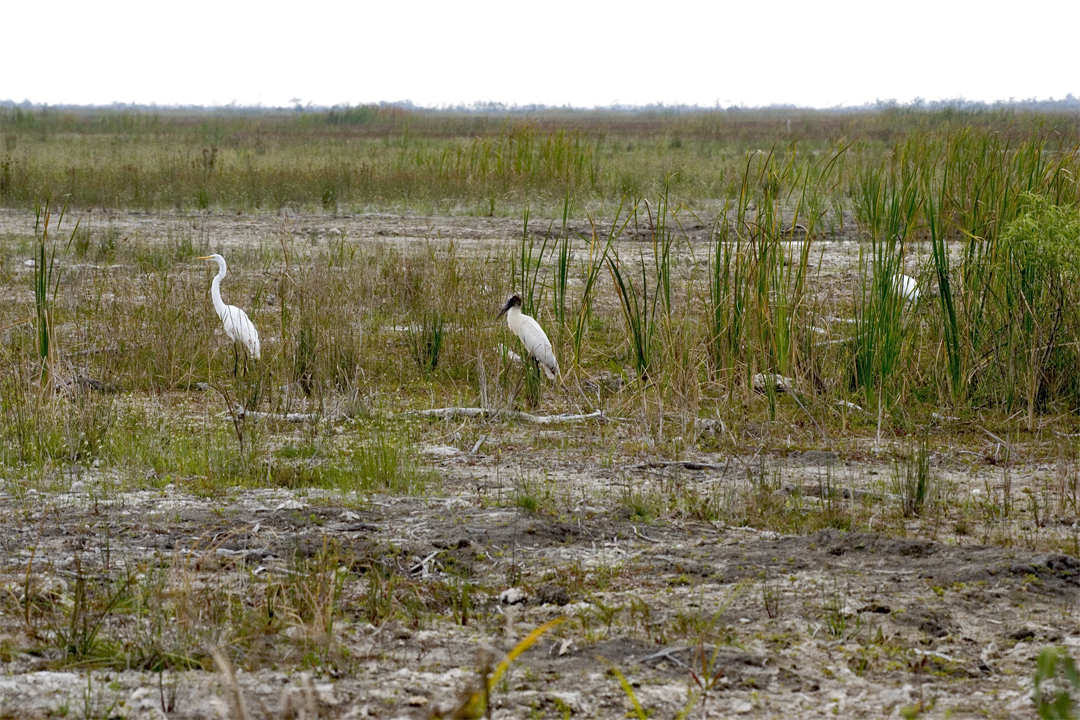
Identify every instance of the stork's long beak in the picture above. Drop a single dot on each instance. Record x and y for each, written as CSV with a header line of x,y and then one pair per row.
x,y
204,258
509,304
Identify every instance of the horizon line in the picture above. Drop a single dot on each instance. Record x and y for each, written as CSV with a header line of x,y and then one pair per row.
x,y
1069,102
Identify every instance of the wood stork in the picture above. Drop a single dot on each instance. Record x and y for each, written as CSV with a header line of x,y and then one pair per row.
x,y
532,336
237,324
907,288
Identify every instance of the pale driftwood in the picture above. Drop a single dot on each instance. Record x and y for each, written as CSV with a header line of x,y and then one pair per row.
x,y
781,383
17,322
685,464
703,425
450,412
845,493
68,384
287,417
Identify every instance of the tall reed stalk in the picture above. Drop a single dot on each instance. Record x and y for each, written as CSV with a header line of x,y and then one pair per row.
x,y
44,264
526,275
562,252
759,315
600,243
888,203
640,311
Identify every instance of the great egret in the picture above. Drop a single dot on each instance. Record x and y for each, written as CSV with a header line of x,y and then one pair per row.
x,y
237,325
532,336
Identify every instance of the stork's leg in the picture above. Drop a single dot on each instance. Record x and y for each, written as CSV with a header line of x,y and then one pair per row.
x,y
513,397
236,360
538,375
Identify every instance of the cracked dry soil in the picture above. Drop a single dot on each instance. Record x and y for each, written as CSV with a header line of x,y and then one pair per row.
x,y
851,623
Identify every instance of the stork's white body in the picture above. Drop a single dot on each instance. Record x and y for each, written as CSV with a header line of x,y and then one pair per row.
x,y
907,288
236,322
533,338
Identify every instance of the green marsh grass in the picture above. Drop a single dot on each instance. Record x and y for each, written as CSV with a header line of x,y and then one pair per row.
x,y
599,249
168,160
639,313
698,312
44,267
561,252
1056,684
883,315
759,307
913,483
427,341
529,260
1034,286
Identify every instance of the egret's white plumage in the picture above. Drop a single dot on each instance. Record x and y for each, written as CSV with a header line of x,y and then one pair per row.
x,y
237,324
907,288
531,334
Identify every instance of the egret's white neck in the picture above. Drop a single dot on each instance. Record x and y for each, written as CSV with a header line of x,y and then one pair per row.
x,y
215,289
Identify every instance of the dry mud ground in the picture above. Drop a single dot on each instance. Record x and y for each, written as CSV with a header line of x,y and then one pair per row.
x,y
832,623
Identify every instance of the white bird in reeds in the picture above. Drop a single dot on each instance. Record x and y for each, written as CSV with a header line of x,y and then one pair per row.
x,y
238,326
532,336
907,288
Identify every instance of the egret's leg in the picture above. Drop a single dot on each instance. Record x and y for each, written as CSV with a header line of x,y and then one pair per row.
x,y
236,360
253,386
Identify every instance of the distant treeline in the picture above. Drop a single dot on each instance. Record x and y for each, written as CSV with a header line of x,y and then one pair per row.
x,y
359,114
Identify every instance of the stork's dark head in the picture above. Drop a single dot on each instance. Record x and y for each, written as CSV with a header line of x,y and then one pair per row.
x,y
514,301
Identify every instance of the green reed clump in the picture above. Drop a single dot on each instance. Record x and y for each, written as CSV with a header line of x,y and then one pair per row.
x,y
426,340
972,185
912,481
1035,289
44,266
385,462
561,276
600,243
527,268
319,320
889,210
1056,684
759,314
640,311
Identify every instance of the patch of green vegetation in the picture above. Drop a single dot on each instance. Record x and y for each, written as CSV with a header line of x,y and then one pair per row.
x,y
1057,685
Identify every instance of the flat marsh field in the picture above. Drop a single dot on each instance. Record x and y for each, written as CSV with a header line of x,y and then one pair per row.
x,y
766,483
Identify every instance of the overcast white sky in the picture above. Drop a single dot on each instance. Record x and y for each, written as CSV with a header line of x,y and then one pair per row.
x,y
554,52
